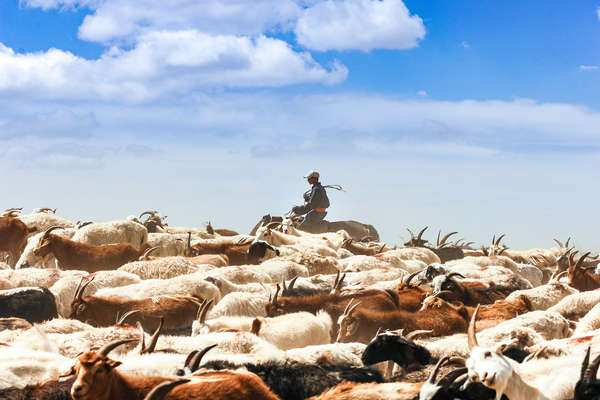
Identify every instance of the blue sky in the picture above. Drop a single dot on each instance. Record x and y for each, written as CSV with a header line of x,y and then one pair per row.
x,y
383,96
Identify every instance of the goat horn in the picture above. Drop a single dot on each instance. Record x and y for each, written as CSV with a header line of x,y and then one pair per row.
x,y
441,292
380,249
581,259
107,348
453,376
560,245
284,288
584,364
160,391
435,371
421,233
153,338
499,239
337,278
414,334
125,316
276,294
146,212
471,332
412,235
348,306
450,275
292,283
378,331
410,278
560,275
567,242
150,250
339,284
47,231
197,359
205,310
353,307
81,288
445,238
593,369
142,337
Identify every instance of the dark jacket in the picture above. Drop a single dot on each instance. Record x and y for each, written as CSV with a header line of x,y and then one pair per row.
x,y
316,199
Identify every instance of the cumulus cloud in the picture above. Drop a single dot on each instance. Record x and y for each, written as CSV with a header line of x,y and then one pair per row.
x,y
589,67
161,64
359,24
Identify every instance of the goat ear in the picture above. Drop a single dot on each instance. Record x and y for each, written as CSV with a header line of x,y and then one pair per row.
x,y
68,373
500,347
112,363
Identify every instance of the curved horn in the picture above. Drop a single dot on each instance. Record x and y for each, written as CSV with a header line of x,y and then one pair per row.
x,y
150,250
445,238
107,348
353,307
453,376
472,331
149,212
160,391
197,359
204,310
581,259
153,339
421,233
276,294
441,292
560,275
567,242
414,334
125,316
560,245
292,283
593,369
47,231
584,364
435,371
452,274
499,239
410,278
272,225
81,288
348,306
412,235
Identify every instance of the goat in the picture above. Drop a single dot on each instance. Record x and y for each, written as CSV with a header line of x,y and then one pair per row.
x,y
234,250
545,296
493,314
390,345
371,391
72,254
179,312
96,378
361,326
50,390
13,237
588,386
581,278
111,232
360,249
470,293
293,380
33,304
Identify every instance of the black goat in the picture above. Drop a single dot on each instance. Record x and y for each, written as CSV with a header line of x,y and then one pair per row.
x,y
258,251
32,304
395,347
588,387
292,380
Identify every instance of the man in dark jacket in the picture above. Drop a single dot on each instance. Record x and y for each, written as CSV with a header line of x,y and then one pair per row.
x,y
315,206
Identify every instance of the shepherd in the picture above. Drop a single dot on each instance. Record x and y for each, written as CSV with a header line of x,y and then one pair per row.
x,y
315,205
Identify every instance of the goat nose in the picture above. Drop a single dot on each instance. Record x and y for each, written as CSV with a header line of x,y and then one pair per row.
x,y
77,388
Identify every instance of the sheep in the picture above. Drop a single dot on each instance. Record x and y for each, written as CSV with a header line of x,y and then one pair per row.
x,y
179,312
112,232
71,254
64,288
31,303
162,268
28,257
545,296
287,331
577,305
214,385
183,285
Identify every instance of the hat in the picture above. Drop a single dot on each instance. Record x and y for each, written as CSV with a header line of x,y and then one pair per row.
x,y
312,174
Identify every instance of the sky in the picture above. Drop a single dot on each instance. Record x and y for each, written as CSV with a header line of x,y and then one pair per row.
x,y
481,117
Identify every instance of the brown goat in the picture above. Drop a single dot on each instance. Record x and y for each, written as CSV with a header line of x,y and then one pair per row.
x,y
490,315
410,296
13,237
96,378
332,303
583,278
371,391
178,311
362,325
85,257
235,251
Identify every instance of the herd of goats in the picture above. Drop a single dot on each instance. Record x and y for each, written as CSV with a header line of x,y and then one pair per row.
x,y
136,309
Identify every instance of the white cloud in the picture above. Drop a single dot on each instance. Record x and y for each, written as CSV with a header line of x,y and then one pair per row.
x,y
422,93
359,24
598,12
464,44
589,67
162,63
